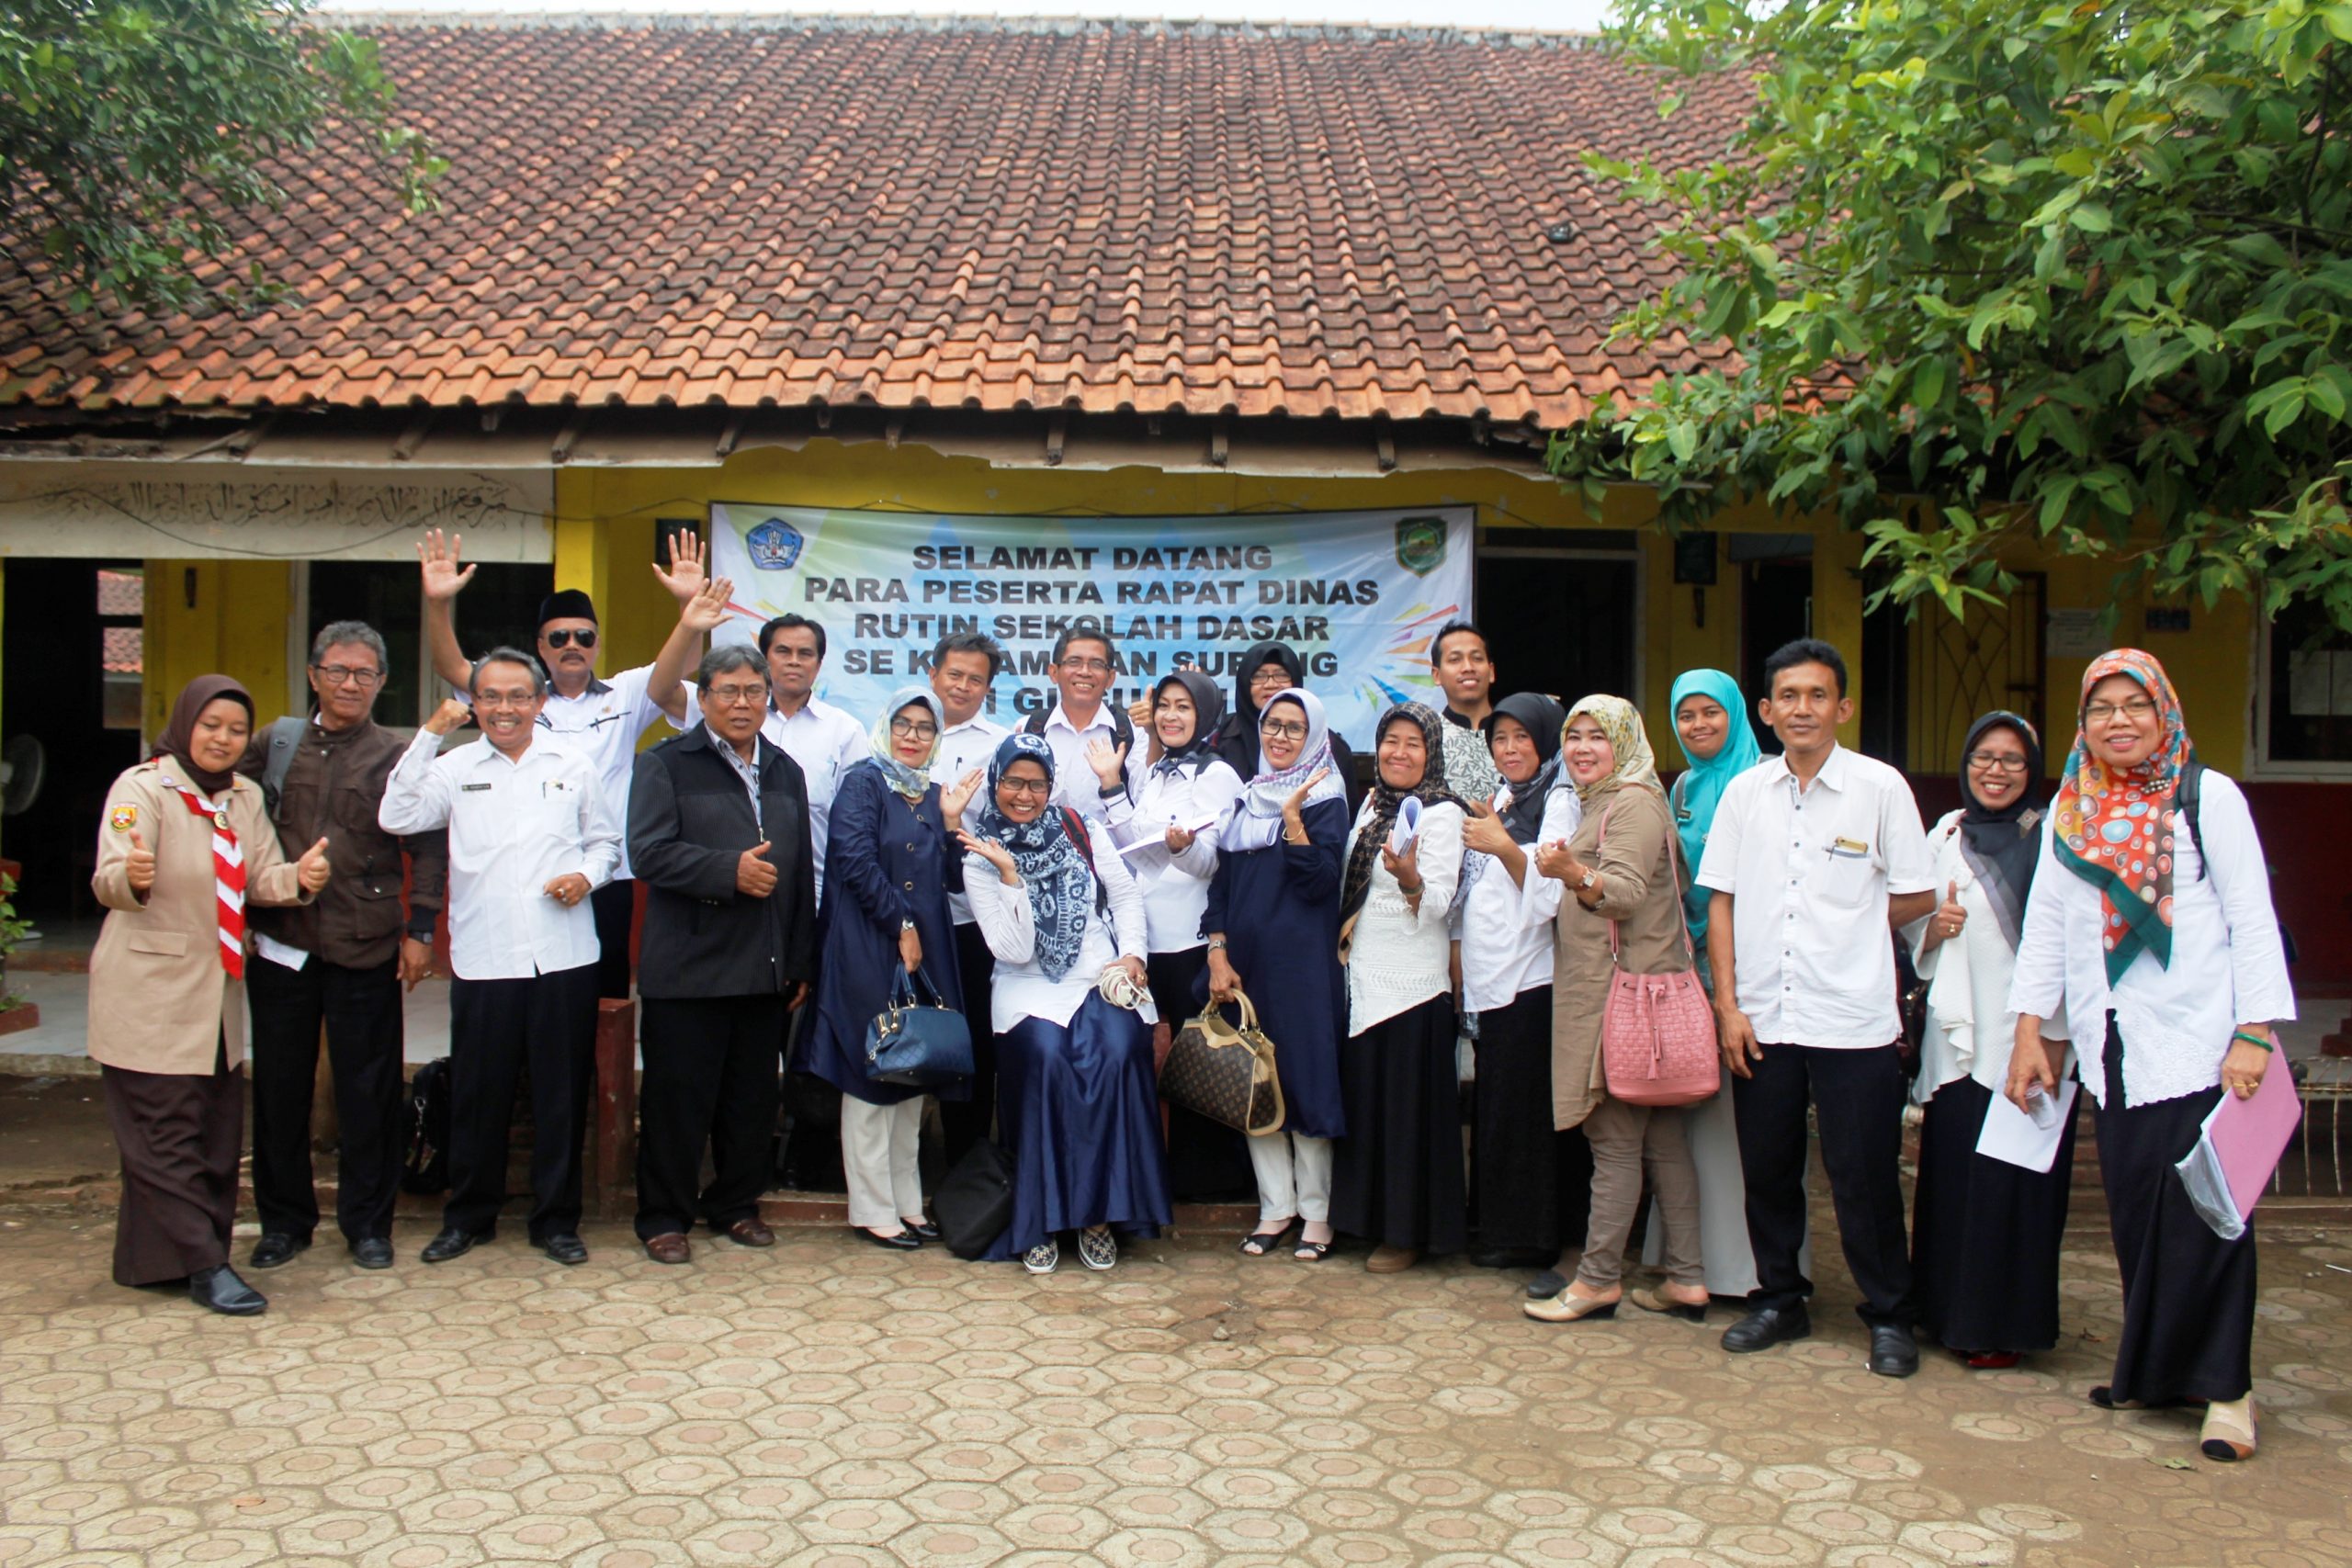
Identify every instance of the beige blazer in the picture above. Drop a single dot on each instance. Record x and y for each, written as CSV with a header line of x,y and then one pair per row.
x,y
1638,890
160,1002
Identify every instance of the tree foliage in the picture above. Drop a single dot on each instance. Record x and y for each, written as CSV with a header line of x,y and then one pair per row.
x,y
1992,270
132,131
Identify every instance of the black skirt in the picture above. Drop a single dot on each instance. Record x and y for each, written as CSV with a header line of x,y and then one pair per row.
x,y
2187,1295
179,1134
1397,1178
1532,1183
1986,1233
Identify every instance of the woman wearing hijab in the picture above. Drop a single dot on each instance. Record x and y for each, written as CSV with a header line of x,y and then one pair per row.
x,y
1984,1233
1624,912
185,845
1265,668
892,868
1174,810
1077,1101
1397,1178
1529,1182
1272,916
2151,931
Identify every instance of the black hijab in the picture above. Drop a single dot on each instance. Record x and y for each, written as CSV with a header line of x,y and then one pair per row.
x,y
178,739
1543,719
1237,740
1208,715
2003,847
1385,800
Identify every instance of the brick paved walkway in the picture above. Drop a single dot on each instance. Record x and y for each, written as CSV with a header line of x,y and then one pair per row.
x,y
825,1403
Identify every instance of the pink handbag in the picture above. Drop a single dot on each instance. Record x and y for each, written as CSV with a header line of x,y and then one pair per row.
x,y
1657,1031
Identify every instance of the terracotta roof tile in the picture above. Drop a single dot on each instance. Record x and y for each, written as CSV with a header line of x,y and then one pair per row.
x,y
1101,216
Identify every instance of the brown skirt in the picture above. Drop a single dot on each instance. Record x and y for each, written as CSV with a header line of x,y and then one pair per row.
x,y
179,1134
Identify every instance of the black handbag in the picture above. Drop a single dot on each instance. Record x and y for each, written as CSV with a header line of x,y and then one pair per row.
x,y
974,1203
918,1041
1224,1074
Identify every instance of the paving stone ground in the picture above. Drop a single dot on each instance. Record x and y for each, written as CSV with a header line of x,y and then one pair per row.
x,y
825,1403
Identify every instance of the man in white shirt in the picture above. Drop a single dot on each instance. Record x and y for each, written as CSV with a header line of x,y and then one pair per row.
x,y
530,839
964,666
602,720
1815,858
1084,667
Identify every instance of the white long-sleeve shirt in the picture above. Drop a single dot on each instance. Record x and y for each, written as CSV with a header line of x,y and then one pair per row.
x,y
603,724
1021,989
1175,887
962,748
1506,928
1398,955
2227,965
515,826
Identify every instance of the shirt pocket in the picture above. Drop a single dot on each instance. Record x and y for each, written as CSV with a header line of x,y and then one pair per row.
x,y
1846,873
163,944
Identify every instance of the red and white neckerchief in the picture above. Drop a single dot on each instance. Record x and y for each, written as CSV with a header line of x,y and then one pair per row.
x,y
228,878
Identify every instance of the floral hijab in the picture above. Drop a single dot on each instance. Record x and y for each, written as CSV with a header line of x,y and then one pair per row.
x,y
1052,867
1621,722
1383,801
913,782
2114,827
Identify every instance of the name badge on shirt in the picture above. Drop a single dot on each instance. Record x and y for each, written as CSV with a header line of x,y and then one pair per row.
x,y
1849,847
470,788
555,786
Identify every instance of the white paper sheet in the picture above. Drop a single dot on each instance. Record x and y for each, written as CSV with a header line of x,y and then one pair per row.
x,y
2030,1142
1159,840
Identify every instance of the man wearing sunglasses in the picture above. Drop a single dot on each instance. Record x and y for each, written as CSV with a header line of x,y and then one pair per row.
x,y
602,720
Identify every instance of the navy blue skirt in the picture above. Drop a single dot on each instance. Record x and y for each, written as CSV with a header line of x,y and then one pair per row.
x,y
1079,1111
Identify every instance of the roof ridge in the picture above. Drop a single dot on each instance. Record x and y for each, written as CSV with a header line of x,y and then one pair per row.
x,y
395,17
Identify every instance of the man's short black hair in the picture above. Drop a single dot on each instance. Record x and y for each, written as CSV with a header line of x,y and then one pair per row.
x,y
970,642
1452,628
786,623
1804,650
1086,634
727,657
508,656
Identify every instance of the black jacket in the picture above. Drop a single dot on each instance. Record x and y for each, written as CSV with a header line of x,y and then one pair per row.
x,y
689,822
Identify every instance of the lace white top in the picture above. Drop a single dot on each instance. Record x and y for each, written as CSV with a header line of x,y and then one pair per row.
x,y
1970,1030
1021,989
1398,957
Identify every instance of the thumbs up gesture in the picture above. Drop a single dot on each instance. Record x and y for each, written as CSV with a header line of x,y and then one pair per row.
x,y
310,871
139,870
753,875
1949,918
1483,830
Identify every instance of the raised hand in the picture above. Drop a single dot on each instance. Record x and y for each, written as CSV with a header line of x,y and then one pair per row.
x,y
139,869
451,715
311,870
438,564
1483,830
1297,800
956,797
1108,761
684,579
706,609
995,853
754,876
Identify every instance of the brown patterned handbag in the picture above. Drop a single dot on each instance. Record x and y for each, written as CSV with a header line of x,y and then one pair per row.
x,y
1223,1073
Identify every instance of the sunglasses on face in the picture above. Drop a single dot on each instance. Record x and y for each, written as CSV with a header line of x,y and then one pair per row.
x,y
566,638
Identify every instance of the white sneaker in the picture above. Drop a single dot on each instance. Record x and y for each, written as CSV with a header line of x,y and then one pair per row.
x,y
1044,1258
1097,1247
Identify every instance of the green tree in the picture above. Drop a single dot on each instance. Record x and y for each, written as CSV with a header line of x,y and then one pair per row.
x,y
1975,270
133,131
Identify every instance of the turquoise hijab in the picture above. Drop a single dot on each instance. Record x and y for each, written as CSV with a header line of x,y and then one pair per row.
x,y
1700,791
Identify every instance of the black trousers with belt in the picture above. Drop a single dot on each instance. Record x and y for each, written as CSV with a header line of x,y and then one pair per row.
x,y
966,1122
709,1078
361,1011
615,908
495,1026
1857,1098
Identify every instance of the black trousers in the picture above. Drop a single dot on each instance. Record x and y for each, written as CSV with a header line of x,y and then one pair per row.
x,y
361,1011
709,1078
966,1122
614,906
494,1027
1858,1098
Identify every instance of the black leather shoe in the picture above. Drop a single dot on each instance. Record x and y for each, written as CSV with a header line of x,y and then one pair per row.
x,y
905,1241
220,1289
923,1231
1547,1285
1894,1353
372,1252
275,1247
565,1248
1514,1257
451,1243
1768,1327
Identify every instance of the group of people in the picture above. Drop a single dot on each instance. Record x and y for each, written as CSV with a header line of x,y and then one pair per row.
x,y
1081,886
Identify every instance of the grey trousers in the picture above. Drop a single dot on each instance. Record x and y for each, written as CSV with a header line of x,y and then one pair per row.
x,y
1626,1140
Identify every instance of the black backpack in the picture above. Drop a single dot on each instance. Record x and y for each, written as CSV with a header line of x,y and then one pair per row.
x,y
426,1168
1123,731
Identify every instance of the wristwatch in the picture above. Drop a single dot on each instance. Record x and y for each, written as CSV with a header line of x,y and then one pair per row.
x,y
1590,876
905,926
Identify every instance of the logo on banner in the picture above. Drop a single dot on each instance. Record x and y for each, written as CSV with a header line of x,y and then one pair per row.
x,y
1421,544
774,546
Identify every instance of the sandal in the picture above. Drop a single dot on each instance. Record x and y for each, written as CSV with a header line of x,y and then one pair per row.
x,y
1260,1243
1312,1251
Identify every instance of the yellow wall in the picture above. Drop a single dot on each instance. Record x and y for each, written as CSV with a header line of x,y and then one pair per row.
x,y
235,625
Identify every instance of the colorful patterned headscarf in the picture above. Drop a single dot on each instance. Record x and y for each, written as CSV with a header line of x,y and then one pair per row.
x,y
913,782
1384,800
1621,722
2114,827
1256,820
1053,869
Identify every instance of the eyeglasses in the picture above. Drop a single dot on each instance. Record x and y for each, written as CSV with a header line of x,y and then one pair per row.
x,y
343,675
913,730
1025,786
1271,677
1283,732
565,636
1086,666
2129,708
504,699
1997,759
735,696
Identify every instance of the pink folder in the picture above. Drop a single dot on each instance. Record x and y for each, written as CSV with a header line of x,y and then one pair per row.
x,y
2239,1149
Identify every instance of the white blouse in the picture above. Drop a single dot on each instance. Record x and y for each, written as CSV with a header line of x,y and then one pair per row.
x,y
1398,958
1023,991
1175,887
1971,1029
1506,928
2227,965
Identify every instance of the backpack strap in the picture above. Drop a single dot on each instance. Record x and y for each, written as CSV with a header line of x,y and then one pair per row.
x,y
285,734
1075,826
2186,797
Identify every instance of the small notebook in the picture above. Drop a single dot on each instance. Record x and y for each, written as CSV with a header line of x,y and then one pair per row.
x,y
2029,1139
1408,824
2239,1149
